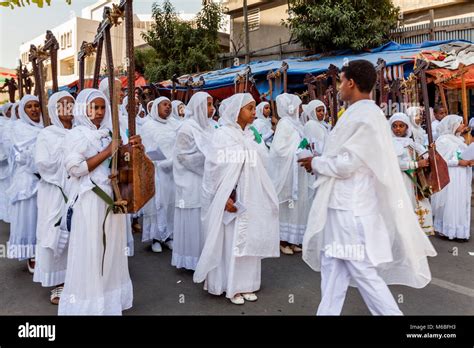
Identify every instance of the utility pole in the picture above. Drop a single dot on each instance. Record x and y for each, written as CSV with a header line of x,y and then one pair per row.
x,y
246,31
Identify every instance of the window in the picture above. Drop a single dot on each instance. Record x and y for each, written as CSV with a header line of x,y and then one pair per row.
x,y
69,39
63,41
254,19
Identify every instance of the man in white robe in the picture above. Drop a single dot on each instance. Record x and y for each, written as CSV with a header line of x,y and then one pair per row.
x,y
362,229
239,207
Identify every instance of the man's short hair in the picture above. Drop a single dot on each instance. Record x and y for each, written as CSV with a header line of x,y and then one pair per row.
x,y
437,108
362,72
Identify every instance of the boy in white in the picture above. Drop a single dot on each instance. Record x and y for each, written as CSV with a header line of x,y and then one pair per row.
x,y
362,228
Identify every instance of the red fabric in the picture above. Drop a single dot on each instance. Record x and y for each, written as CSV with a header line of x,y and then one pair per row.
x,y
455,83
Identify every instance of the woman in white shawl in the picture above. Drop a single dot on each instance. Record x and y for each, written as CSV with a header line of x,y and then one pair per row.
x,y
97,278
452,205
290,180
5,115
6,166
23,189
177,113
408,152
189,154
158,213
53,190
140,118
419,134
239,208
263,123
314,129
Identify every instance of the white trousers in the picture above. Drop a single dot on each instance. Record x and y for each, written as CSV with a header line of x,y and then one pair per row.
x,y
336,275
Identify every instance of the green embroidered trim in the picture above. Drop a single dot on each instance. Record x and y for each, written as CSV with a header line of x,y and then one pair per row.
x,y
303,144
256,134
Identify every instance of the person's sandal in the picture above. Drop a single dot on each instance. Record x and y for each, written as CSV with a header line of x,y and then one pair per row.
x,y
286,250
237,299
31,265
296,249
136,227
251,297
56,295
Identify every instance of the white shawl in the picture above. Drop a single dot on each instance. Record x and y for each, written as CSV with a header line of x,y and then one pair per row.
x,y
365,133
283,160
257,229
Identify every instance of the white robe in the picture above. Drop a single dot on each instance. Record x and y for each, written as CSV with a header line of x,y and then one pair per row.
x,y
407,151
188,168
51,258
292,182
158,213
452,205
359,179
5,173
230,260
87,291
22,192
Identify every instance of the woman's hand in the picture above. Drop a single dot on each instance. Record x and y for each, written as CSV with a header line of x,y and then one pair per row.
x,y
423,163
465,163
229,206
136,141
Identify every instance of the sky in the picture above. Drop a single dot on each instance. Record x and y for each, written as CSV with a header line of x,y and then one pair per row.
x,y
25,23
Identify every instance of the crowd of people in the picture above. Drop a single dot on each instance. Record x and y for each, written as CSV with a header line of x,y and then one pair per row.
x,y
232,186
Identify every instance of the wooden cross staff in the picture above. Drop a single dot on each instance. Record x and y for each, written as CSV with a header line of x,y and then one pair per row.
x,y
437,173
241,82
175,81
380,69
20,78
132,172
87,49
36,57
333,73
439,81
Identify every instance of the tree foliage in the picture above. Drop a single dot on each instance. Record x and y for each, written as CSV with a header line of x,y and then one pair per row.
x,y
21,3
180,47
325,25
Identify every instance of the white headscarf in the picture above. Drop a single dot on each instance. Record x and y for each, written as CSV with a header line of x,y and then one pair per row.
x,y
197,109
288,107
124,113
13,115
148,106
104,86
154,110
23,116
448,141
4,109
311,109
259,110
53,107
85,97
419,134
175,104
232,106
400,116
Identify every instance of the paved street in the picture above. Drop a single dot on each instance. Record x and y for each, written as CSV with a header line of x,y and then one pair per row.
x,y
289,287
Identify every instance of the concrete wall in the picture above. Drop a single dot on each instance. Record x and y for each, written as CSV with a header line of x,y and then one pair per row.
x,y
265,41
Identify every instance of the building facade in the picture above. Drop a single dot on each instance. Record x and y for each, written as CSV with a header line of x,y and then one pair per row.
x,y
269,39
